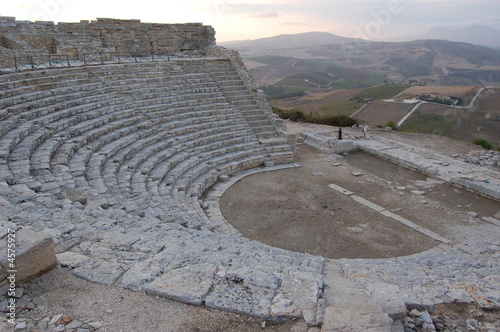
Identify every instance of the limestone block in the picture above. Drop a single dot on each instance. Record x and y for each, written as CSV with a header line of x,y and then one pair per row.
x,y
188,284
34,254
344,146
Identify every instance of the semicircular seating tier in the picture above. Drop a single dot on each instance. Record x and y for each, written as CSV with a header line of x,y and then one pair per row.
x,y
112,161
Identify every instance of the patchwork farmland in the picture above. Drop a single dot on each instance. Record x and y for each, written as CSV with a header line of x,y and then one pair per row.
x,y
469,120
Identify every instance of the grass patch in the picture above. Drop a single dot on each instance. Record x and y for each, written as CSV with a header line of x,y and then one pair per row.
x,y
484,143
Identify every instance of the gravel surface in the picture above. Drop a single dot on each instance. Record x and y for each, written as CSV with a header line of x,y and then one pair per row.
x,y
117,309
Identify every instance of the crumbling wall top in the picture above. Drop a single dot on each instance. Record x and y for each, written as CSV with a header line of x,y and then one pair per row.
x,y
100,36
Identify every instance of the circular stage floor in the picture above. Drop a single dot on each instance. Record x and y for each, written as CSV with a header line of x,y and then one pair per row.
x,y
296,209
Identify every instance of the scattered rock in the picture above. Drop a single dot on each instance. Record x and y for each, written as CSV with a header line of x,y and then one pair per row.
x,y
74,324
55,319
473,214
415,313
224,178
65,320
20,326
95,325
319,174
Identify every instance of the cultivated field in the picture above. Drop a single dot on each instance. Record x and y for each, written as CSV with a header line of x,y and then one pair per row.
x,y
467,124
380,112
314,101
482,120
464,92
489,100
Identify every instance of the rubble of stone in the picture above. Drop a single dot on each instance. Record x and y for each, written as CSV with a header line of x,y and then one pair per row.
x,y
423,320
490,159
53,323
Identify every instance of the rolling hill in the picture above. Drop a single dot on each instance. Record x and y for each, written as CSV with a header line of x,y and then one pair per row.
x,y
319,60
475,34
287,41
333,76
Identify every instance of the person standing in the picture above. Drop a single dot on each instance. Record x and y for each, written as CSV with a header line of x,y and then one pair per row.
x,y
365,130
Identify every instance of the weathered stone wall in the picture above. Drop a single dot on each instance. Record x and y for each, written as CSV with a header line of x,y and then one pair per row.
x,y
102,35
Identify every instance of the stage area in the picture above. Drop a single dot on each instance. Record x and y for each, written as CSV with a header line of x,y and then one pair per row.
x,y
296,209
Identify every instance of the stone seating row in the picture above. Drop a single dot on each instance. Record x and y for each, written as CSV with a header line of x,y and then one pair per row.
x,y
87,126
58,114
261,120
199,75
16,141
61,97
116,177
33,90
97,161
34,80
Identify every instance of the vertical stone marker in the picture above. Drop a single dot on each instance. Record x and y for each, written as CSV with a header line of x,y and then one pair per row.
x,y
31,253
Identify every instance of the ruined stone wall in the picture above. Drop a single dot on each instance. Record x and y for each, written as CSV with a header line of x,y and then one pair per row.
x,y
102,35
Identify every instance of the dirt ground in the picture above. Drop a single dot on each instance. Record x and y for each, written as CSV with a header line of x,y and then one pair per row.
x,y
122,310
293,209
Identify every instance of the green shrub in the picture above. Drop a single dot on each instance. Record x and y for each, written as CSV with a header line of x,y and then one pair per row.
x,y
391,124
293,115
336,120
484,143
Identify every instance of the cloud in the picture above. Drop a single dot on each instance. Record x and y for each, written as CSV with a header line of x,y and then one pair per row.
x,y
264,15
492,21
295,24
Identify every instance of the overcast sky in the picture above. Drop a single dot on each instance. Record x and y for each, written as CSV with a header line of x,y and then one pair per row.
x,y
252,19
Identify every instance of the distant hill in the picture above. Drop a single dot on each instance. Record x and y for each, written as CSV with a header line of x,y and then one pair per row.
x,y
475,34
318,60
286,41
